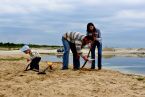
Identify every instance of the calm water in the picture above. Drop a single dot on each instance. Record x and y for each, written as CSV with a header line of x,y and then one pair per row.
x,y
131,65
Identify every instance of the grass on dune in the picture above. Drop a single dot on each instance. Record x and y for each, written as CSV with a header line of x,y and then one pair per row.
x,y
12,59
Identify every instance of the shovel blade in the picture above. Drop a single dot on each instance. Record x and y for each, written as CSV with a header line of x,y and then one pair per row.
x,y
41,73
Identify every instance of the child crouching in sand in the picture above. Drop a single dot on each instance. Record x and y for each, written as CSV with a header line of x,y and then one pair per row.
x,y
34,57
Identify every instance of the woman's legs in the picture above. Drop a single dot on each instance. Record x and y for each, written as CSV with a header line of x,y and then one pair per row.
x,y
93,55
99,46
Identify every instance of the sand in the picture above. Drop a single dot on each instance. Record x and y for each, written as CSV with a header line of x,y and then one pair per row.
x,y
106,51
15,82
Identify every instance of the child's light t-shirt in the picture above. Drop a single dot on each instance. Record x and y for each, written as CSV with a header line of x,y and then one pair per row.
x,y
34,54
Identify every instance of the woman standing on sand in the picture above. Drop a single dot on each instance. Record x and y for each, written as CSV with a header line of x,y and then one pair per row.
x,y
95,33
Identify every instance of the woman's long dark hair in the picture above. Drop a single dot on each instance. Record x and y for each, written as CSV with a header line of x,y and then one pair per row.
x,y
91,24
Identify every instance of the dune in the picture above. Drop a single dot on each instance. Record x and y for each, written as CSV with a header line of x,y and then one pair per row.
x,y
15,82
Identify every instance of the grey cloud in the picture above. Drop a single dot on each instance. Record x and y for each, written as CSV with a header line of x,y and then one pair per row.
x,y
40,20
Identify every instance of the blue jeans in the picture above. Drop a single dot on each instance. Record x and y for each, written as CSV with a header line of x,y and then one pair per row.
x,y
66,53
99,46
76,59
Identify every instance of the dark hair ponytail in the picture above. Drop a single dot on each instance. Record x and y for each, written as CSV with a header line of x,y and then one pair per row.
x,y
91,24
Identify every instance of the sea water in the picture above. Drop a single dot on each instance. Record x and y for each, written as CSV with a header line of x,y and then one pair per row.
x,y
125,64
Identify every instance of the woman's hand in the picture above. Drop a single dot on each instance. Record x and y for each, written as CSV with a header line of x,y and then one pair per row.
x,y
98,39
90,45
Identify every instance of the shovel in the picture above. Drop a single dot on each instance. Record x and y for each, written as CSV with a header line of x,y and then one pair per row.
x,y
49,66
87,60
26,69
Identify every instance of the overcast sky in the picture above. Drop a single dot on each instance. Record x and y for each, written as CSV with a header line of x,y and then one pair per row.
x,y
122,22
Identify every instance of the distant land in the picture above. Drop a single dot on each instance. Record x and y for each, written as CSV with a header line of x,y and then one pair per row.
x,y
10,46
16,46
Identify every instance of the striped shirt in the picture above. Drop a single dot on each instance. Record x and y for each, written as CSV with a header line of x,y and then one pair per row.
x,y
76,38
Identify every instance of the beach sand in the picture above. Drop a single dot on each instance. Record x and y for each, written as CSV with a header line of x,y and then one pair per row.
x,y
15,82
106,51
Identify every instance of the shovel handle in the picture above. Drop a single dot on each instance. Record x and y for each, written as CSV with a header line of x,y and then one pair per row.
x,y
27,67
86,60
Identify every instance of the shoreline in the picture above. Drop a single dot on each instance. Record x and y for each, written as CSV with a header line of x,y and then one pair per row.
x,y
106,51
125,72
18,55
